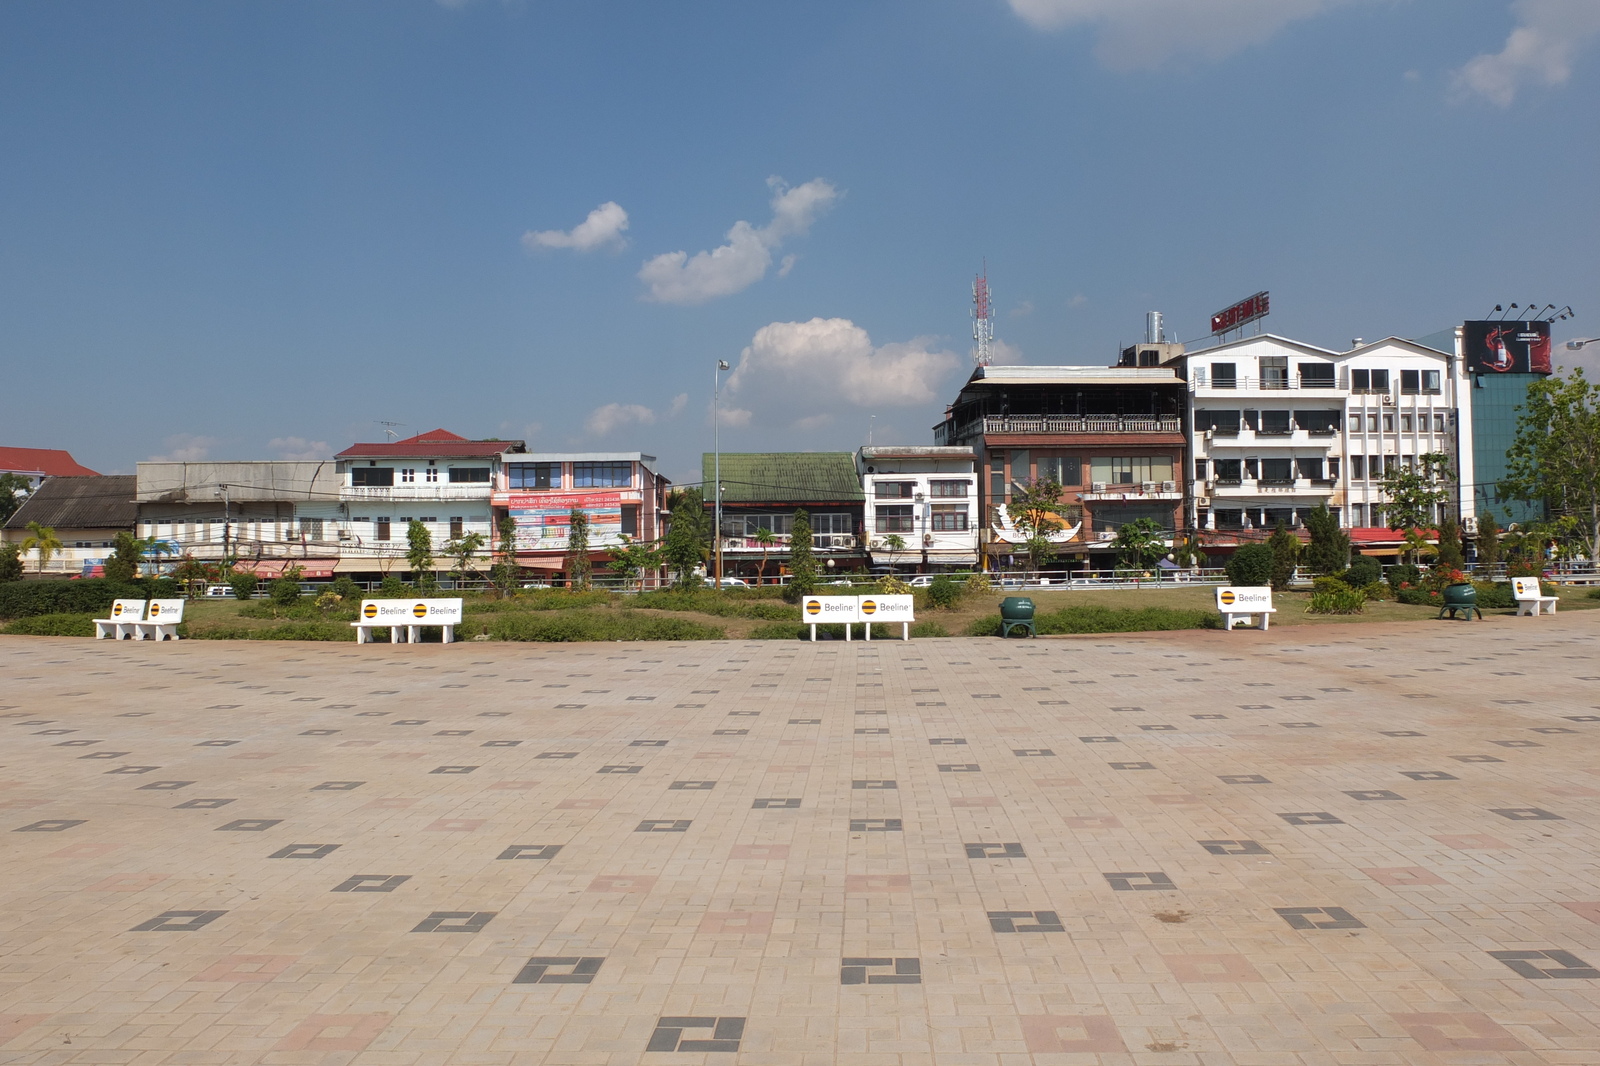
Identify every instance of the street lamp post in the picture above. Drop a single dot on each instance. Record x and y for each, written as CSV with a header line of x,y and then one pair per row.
x,y
1575,345
716,466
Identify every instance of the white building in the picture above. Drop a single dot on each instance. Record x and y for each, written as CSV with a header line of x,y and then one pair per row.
x,y
928,497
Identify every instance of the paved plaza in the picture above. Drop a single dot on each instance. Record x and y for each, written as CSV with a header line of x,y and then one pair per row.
x,y
1364,844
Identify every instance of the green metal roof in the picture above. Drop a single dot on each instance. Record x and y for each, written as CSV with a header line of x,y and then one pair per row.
x,y
785,477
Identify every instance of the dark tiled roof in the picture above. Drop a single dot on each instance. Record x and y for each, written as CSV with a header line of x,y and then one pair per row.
x,y
51,462
785,477
80,503
439,443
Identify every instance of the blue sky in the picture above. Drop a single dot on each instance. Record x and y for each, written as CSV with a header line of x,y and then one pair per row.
x,y
252,230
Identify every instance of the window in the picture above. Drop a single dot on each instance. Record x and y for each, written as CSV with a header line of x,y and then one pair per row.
x,y
1360,381
1222,423
602,475
749,525
1064,471
1130,470
1380,381
1410,382
948,518
1224,375
432,475
1112,517
1322,423
1358,468
1316,375
1438,422
311,528
1388,422
1272,516
469,475
1280,471
381,532
1375,467
894,490
1228,471
1309,468
534,475
1251,420
407,475
1358,513
630,519
1021,470
1333,468
832,524
1372,422
895,518
997,476
948,488
457,528
1275,424
1250,468
372,476
1229,518
1430,382
1407,422
1274,372
1202,469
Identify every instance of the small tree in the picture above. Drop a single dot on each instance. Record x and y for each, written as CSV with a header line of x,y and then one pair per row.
x,y
13,490
10,563
462,549
1036,511
635,559
1329,550
419,551
688,533
577,560
1139,543
1415,492
1450,555
194,574
802,563
1487,541
122,566
1555,458
504,574
896,544
1250,566
243,585
43,540
766,539
1285,548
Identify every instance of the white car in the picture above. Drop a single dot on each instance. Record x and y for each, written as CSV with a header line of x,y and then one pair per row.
x,y
219,592
734,583
921,581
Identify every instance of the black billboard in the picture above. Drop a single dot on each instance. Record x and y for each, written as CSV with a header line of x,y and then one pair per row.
x,y
1507,347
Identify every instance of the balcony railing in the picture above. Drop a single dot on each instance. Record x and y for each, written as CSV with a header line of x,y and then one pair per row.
x,y
471,491
990,425
1246,486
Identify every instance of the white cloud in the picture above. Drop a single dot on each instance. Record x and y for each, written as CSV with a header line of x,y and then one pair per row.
x,y
1023,309
1078,300
298,448
735,417
185,448
679,402
794,367
1540,50
787,265
603,227
1003,354
678,278
1142,34
611,416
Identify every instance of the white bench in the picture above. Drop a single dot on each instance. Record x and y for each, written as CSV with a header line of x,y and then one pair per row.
x,y
161,621
408,617
1530,597
125,617
1241,603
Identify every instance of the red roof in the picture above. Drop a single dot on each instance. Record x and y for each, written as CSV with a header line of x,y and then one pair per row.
x,y
434,443
50,462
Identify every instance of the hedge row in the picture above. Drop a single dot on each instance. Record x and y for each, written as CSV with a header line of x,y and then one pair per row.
x,y
1094,619
594,625
25,599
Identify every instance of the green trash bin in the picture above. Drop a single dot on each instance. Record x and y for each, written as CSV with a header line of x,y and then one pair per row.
x,y
1016,612
1462,596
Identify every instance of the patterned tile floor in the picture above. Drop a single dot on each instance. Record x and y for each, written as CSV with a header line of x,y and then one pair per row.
x,y
1368,845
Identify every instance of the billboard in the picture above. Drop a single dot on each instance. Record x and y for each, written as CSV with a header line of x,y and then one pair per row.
x,y
543,519
1245,311
1507,347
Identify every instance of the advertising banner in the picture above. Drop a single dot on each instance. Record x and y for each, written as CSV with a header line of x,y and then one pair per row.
x,y
543,519
1507,347
1244,599
412,612
888,609
820,609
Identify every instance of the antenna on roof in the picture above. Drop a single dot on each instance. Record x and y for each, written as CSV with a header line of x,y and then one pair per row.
x,y
982,318
387,431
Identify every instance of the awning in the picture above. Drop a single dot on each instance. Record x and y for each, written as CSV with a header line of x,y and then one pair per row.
x,y
268,569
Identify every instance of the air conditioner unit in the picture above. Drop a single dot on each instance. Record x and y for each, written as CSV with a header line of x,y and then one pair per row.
x,y
1388,401
927,539
1097,486
1169,486
1202,501
344,534
1147,486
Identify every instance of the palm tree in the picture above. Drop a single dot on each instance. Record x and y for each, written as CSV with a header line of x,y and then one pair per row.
x,y
766,539
896,544
43,540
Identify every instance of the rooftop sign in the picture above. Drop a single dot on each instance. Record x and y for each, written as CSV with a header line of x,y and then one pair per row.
x,y
1240,314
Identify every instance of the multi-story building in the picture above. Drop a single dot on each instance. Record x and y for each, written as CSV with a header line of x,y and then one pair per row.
x,y
927,496
761,491
86,514
1113,437
1279,427
620,493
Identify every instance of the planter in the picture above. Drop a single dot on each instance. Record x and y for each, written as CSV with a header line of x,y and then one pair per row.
x,y
1462,596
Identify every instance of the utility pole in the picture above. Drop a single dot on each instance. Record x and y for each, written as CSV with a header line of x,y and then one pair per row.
x,y
226,516
716,467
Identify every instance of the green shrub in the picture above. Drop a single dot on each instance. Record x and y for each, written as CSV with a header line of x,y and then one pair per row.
x,y
1496,595
595,625
24,599
52,625
1250,566
392,588
1364,570
945,592
345,587
928,629
541,600
727,604
243,585
1096,619
328,631
10,562
780,631
1404,575
1329,595
978,584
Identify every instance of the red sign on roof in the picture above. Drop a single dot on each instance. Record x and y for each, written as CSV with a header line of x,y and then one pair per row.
x,y
1241,313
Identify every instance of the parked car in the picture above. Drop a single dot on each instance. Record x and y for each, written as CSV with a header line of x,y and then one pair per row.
x,y
734,583
219,592
921,581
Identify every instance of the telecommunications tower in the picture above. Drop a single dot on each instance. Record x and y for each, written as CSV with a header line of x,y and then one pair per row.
x,y
982,319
